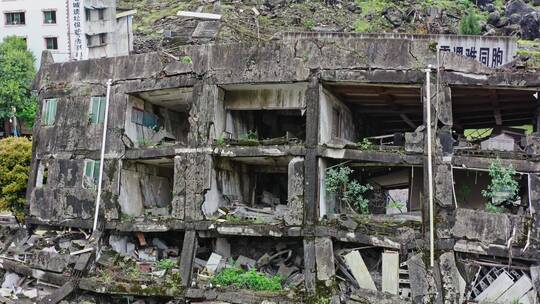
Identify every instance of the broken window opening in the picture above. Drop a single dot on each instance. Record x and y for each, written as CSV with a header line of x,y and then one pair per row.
x,y
158,117
369,115
470,186
494,122
265,256
146,188
264,125
369,188
256,189
42,174
264,114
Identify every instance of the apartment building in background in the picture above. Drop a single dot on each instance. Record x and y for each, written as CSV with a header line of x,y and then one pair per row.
x,y
70,29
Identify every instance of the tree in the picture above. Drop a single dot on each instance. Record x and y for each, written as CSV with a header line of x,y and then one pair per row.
x,y
16,74
470,24
15,157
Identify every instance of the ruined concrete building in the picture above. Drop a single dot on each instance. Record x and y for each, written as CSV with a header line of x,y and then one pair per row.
x,y
303,158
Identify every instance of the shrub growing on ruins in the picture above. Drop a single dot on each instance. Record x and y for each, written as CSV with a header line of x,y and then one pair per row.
x,y
337,180
15,157
503,188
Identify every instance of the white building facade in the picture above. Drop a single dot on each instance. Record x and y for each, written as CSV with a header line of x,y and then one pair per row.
x,y
69,29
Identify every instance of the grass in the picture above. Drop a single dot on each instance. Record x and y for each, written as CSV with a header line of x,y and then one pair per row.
x,y
165,264
251,279
373,8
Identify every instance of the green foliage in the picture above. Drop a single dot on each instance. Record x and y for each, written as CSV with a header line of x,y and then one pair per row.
x,y
220,141
470,24
250,136
16,74
503,188
186,59
337,180
396,205
144,143
250,279
365,144
165,264
15,157
354,194
309,24
105,277
337,177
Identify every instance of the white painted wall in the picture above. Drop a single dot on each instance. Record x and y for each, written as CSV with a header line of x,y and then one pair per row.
x,y
35,30
70,16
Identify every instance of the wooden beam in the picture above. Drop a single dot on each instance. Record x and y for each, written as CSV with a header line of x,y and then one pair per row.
x,y
389,99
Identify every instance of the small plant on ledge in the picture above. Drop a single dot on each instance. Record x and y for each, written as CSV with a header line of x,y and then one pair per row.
x,y
337,181
365,144
503,190
250,136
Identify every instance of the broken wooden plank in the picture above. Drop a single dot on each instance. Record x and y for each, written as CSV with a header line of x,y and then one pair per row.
x,y
496,288
359,270
516,291
390,272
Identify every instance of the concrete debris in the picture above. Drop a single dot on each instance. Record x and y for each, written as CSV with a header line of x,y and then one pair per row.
x,y
213,263
359,270
11,281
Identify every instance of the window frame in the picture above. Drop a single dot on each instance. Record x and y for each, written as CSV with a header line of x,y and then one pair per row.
x,y
99,119
21,22
55,43
102,38
101,14
87,14
53,17
91,172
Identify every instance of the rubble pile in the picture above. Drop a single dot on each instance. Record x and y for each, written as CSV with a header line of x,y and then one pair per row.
x,y
279,267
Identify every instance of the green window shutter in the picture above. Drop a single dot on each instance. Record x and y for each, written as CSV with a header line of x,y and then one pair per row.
x,y
51,116
94,110
45,111
101,109
88,168
96,171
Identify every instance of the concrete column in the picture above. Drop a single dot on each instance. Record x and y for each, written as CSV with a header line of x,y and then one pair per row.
x,y
189,249
310,163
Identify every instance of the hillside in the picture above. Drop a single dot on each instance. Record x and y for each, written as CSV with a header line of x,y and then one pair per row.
x,y
158,28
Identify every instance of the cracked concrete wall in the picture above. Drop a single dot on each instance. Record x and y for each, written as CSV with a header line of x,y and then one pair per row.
x,y
64,197
192,180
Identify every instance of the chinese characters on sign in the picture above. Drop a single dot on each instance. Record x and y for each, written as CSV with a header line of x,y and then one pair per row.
x,y
77,30
491,57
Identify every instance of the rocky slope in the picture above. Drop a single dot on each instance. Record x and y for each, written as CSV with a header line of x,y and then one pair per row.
x,y
158,28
